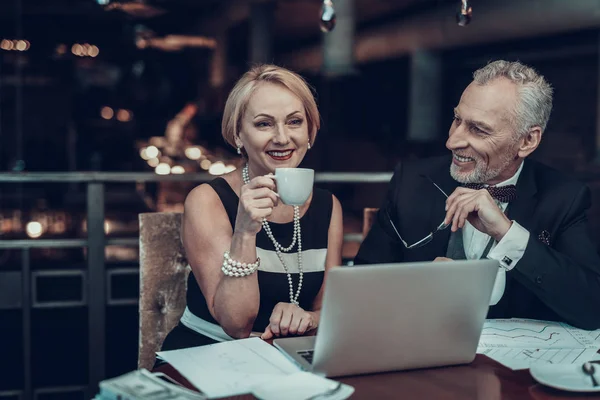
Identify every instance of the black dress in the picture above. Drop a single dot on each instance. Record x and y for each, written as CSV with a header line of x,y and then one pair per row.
x,y
272,279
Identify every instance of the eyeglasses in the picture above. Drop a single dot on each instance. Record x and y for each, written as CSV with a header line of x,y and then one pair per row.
x,y
427,238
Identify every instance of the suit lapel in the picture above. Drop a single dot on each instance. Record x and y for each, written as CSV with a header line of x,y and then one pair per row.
x,y
439,244
523,207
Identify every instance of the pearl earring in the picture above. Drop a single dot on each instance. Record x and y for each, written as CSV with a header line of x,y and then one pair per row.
x,y
309,145
239,150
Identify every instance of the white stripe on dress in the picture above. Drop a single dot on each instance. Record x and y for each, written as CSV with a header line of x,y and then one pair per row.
x,y
204,327
312,261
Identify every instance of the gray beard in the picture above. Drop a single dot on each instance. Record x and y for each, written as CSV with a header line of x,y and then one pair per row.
x,y
479,174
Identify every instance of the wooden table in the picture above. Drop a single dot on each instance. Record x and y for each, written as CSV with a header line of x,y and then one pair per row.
x,y
483,379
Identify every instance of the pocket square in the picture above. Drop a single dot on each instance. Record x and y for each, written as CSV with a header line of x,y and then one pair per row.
x,y
544,237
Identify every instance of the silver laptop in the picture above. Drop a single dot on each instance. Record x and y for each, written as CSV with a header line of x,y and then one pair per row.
x,y
388,317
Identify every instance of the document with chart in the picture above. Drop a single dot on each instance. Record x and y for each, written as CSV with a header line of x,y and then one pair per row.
x,y
517,343
230,368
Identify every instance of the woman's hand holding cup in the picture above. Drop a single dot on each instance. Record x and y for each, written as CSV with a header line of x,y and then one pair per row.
x,y
257,200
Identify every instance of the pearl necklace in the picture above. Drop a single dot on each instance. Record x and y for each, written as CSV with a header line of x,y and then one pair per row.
x,y
279,248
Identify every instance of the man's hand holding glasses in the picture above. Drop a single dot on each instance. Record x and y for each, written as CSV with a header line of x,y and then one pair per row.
x,y
480,209
426,239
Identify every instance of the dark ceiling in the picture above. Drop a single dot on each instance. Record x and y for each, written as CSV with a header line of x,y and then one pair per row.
x,y
60,87
87,20
66,92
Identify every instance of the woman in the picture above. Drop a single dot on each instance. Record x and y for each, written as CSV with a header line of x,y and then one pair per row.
x,y
238,221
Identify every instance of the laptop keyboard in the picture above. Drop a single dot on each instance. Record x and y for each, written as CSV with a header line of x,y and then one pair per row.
x,y
307,355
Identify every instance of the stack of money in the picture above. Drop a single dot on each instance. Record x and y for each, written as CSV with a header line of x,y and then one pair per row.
x,y
141,384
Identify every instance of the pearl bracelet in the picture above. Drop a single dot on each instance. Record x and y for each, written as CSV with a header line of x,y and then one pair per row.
x,y
238,269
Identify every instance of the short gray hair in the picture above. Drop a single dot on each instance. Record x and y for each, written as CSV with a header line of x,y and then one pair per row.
x,y
535,93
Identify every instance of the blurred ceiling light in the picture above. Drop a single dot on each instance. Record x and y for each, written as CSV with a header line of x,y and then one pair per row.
x,y
107,227
153,162
21,45
465,13
18,45
177,169
107,112
58,227
162,169
205,164
152,151
61,49
175,42
124,115
136,9
77,49
141,43
327,22
93,51
103,2
193,153
34,229
85,50
144,154
217,168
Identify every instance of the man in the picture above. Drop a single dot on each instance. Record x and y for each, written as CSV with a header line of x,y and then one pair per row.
x,y
444,208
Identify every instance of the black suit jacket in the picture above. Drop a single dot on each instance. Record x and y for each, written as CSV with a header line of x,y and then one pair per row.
x,y
558,281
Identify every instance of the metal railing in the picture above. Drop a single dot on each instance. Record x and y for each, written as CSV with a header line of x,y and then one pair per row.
x,y
96,242
123,177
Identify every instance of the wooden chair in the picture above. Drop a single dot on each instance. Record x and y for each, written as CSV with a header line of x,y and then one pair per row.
x,y
163,281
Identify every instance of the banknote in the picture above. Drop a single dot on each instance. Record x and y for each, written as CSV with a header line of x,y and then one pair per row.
x,y
142,384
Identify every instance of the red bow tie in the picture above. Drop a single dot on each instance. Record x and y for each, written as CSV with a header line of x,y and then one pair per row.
x,y
504,194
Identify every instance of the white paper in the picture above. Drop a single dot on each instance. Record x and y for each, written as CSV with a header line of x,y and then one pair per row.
x,y
230,368
519,343
521,358
594,335
529,333
302,386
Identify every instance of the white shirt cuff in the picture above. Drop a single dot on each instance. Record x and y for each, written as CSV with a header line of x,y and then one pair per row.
x,y
511,248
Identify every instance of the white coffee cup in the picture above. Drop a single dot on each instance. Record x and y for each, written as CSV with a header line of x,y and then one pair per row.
x,y
294,185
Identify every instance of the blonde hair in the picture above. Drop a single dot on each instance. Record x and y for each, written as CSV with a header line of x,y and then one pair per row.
x,y
238,99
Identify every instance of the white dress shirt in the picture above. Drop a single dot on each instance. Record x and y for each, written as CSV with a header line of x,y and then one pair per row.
x,y
508,251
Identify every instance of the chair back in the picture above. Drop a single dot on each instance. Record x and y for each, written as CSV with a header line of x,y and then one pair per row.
x,y
163,281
